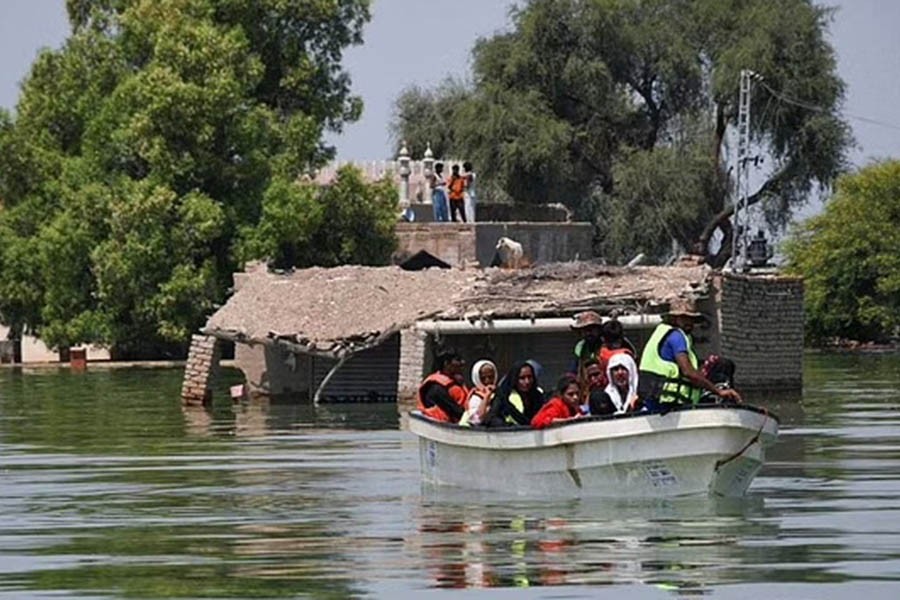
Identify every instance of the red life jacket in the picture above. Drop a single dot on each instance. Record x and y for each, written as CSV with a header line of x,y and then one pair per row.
x,y
456,391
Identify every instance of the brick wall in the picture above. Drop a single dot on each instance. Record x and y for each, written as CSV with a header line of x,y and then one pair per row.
x,y
273,371
761,328
414,348
451,242
541,242
203,360
459,244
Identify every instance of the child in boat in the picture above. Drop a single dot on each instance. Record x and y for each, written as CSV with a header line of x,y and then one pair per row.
x,y
564,406
484,378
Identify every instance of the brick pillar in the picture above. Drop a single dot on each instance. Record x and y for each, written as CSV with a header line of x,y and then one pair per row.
x,y
202,362
762,330
413,346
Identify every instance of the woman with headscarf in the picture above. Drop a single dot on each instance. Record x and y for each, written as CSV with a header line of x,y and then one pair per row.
x,y
517,398
484,379
620,393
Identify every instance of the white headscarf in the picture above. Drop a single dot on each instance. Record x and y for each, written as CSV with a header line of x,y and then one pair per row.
x,y
476,371
621,359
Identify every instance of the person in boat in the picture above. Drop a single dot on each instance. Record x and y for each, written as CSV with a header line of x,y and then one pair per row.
x,y
614,342
589,326
599,340
441,396
720,371
517,399
620,395
591,381
669,372
563,406
538,369
484,380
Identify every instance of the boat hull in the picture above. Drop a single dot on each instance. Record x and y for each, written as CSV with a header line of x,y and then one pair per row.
x,y
716,450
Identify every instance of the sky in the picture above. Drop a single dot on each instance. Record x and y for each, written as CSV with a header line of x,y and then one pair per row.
x,y
423,41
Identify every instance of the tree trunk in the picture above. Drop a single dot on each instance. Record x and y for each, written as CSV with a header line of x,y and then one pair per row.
x,y
722,220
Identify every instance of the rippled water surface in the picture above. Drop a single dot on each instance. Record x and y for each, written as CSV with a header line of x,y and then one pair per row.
x,y
109,489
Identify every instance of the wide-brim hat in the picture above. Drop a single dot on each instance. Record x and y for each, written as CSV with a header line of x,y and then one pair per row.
x,y
683,307
587,318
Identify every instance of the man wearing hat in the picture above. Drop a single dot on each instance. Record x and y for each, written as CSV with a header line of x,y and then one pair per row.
x,y
670,372
590,325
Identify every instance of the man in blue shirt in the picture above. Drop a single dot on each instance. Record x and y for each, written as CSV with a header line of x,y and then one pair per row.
x,y
670,371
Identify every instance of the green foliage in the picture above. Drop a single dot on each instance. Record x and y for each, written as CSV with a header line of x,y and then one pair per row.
x,y
848,258
659,198
424,117
578,95
141,151
358,221
348,221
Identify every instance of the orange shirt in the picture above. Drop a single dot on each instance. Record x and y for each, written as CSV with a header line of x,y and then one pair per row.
x,y
457,187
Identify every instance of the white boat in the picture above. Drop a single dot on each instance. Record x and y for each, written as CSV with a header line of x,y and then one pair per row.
x,y
703,450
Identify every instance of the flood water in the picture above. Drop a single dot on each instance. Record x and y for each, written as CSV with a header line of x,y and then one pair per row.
x,y
109,489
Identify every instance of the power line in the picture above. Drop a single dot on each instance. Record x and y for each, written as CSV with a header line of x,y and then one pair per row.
x,y
808,106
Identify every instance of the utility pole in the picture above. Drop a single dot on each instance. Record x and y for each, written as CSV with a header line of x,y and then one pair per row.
x,y
739,236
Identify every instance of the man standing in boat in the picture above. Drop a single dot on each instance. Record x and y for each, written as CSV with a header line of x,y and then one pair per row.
x,y
669,371
441,397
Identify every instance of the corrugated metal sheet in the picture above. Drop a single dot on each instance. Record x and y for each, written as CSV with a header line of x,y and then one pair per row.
x,y
370,376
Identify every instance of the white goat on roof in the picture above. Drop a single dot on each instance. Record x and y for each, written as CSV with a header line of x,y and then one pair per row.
x,y
508,254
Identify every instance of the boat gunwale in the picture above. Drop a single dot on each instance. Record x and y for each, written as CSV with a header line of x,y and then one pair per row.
x,y
415,414
586,430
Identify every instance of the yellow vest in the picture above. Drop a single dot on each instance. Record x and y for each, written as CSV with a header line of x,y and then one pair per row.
x,y
674,388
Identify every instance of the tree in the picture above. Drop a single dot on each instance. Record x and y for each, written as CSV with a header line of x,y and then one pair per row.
x,y
579,93
848,258
348,221
142,154
428,117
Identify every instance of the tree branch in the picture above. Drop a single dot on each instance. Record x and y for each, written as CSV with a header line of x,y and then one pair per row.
x,y
722,219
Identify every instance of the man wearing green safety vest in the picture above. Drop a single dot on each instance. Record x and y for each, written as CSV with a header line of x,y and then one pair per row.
x,y
669,371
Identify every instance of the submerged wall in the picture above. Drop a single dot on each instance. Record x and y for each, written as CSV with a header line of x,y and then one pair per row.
x,y
761,321
368,376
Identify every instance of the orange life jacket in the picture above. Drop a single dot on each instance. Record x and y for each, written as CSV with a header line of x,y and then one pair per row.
x,y
457,187
456,391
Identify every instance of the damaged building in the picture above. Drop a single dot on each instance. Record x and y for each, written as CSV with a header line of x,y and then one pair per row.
x,y
356,333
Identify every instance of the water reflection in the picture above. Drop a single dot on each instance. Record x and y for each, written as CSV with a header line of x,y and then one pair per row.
x,y
680,544
260,417
111,488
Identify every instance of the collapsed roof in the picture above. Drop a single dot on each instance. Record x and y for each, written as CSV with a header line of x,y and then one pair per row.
x,y
340,311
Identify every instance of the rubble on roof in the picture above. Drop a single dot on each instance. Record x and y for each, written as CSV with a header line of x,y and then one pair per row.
x,y
332,312
336,312
564,288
